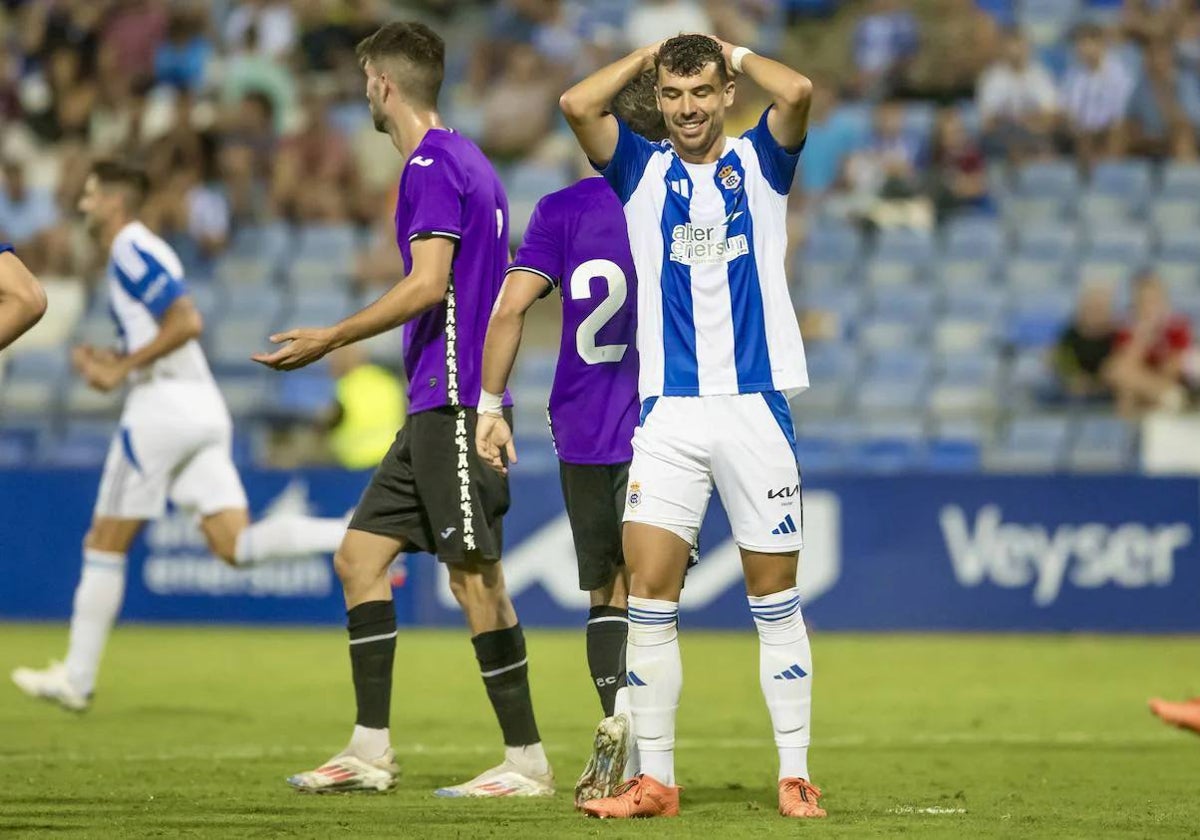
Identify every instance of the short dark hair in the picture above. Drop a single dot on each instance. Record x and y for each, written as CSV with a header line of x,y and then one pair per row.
x,y
687,55
419,53
116,173
636,106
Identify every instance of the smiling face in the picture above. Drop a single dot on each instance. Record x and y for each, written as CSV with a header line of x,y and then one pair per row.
x,y
694,110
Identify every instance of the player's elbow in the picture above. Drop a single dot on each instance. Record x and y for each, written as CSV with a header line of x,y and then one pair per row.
x,y
572,106
193,324
797,92
31,302
431,291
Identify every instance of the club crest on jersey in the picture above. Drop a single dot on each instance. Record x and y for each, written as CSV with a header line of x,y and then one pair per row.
x,y
729,177
635,494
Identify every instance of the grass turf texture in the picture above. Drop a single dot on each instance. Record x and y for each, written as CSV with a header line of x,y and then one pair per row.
x,y
194,730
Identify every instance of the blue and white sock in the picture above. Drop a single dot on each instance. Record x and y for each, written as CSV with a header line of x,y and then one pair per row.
x,y
98,601
654,674
785,671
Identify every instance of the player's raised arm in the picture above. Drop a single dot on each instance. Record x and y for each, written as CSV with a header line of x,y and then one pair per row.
x,y
587,104
423,288
790,92
22,300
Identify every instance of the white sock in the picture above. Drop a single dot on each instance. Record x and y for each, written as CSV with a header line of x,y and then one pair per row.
x,y
288,535
785,671
633,764
531,758
369,744
655,676
98,600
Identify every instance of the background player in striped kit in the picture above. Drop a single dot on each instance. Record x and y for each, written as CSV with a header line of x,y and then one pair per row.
x,y
720,351
22,300
174,439
431,493
576,242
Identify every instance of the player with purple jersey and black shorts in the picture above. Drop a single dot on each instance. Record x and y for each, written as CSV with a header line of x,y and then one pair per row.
x,y
578,243
431,493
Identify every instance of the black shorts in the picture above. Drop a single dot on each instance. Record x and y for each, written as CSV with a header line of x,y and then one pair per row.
x,y
595,498
432,491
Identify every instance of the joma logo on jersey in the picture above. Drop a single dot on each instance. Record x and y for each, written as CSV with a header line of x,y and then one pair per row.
x,y
703,245
784,492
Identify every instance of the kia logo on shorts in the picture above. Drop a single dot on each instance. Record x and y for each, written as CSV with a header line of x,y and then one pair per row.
x,y
784,492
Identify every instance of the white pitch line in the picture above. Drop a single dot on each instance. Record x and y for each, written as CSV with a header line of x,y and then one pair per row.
x,y
937,812
836,742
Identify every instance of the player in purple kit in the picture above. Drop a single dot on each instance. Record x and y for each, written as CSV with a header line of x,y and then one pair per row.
x,y
431,493
577,242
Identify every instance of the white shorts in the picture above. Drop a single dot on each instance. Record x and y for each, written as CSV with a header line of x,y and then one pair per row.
x,y
742,443
174,442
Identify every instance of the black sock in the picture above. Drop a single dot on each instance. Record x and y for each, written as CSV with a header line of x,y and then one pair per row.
x,y
501,655
607,630
372,627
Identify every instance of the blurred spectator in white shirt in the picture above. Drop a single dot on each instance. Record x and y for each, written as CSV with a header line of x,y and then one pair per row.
x,y
886,41
653,20
1095,97
274,20
1017,103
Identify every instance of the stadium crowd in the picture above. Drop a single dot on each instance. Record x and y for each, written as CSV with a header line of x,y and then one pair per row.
x,y
945,135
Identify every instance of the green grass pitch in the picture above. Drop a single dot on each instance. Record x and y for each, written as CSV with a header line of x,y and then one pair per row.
x,y
194,730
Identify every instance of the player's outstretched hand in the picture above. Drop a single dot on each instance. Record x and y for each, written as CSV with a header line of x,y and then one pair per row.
x,y
300,347
491,436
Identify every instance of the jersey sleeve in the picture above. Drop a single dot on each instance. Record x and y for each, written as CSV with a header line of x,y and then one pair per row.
x,y
6,248
146,279
628,162
541,248
435,194
777,163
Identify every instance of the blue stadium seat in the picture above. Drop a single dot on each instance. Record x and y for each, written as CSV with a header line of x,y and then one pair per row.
x,y
18,446
1047,21
1130,180
952,455
82,444
965,272
304,394
82,400
969,368
1182,245
824,397
1102,444
270,243
887,272
1030,444
1030,370
1106,210
910,301
1123,243
247,395
536,369
960,428
879,396
236,271
886,455
846,302
831,360
813,274
980,303
820,454
535,180
1037,318
888,334
1180,277
1175,214
42,364
330,243
958,335
1114,273
911,367
1180,180
1039,241
320,306
1049,179
829,240
903,245
230,343
973,238
29,399
954,401
1022,275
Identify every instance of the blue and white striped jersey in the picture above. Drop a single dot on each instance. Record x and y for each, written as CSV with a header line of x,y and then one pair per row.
x,y
709,243
145,277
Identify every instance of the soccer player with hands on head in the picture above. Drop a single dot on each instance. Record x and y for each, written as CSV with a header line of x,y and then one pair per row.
x,y
720,354
22,299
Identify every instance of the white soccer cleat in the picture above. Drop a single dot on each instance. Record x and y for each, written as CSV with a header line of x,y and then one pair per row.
x,y
348,772
507,779
605,769
52,684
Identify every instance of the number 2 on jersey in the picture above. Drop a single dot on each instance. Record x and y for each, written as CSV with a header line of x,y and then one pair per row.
x,y
580,288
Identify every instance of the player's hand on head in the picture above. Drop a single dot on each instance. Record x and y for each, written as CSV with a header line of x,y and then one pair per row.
x,y
492,435
301,347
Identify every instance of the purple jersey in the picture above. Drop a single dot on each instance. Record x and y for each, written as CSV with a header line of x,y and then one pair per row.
x,y
450,189
578,241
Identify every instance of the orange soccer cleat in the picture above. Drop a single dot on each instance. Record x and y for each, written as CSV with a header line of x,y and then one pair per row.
x,y
640,797
1185,715
798,798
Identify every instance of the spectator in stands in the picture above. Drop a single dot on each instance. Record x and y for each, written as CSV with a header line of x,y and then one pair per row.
x,y
115,121
60,96
1187,62
1095,97
526,88
886,41
957,42
251,70
1081,355
181,60
246,153
28,216
369,406
884,179
131,34
314,176
274,22
960,182
833,135
1146,372
1018,103
653,20
1153,26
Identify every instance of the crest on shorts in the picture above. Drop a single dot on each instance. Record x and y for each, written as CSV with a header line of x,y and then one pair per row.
x,y
635,494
